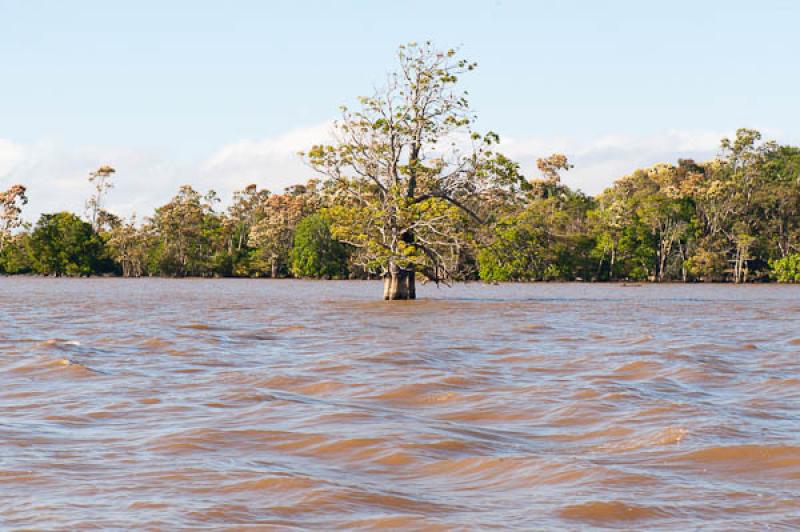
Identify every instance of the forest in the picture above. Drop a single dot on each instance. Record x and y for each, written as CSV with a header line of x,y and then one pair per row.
x,y
395,194
735,218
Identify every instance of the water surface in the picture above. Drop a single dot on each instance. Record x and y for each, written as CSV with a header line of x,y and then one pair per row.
x,y
165,404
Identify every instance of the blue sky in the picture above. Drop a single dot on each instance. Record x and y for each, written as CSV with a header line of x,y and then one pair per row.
x,y
221,94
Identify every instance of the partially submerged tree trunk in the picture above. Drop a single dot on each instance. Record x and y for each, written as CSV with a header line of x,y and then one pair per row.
x,y
399,283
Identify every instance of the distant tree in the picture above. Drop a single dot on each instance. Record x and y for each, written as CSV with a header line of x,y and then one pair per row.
x,y
642,225
549,183
11,203
15,257
107,221
707,264
247,208
101,179
779,202
63,244
183,231
128,245
786,269
272,235
609,221
544,240
315,253
552,166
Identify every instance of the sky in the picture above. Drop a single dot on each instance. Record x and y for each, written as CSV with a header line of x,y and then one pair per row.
x,y
223,94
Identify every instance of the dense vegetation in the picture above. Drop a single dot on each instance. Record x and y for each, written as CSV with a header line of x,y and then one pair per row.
x,y
402,197
735,218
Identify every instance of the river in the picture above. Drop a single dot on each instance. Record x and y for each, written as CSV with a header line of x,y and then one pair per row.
x,y
164,404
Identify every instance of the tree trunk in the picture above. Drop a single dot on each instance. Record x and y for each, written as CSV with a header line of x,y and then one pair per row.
x,y
274,269
399,283
611,263
683,261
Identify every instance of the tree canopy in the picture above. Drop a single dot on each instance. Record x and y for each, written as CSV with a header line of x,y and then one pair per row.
x,y
63,244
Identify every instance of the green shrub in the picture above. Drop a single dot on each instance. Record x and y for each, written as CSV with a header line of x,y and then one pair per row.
x,y
787,269
315,253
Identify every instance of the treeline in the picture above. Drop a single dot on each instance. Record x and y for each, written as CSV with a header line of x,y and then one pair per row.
x,y
260,234
735,218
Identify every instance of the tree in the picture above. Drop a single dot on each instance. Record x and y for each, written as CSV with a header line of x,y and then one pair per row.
x,y
128,246
786,269
183,231
247,209
15,257
655,220
609,223
779,202
406,167
272,235
315,253
101,179
63,244
11,203
545,238
551,167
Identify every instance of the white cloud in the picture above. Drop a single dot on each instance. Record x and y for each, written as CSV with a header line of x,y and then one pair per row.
x,y
273,162
11,155
598,162
56,175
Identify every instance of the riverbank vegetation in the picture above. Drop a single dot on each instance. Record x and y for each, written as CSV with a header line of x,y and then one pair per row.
x,y
409,188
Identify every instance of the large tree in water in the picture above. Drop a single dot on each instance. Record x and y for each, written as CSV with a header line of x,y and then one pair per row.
x,y
407,170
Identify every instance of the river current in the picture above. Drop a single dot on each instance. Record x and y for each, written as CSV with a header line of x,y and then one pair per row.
x,y
260,404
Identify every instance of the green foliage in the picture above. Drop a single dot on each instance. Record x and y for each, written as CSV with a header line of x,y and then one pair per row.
x,y
63,244
272,234
730,219
315,253
545,241
786,269
735,218
183,232
14,257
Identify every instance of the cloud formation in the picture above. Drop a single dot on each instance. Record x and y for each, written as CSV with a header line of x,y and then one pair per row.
x,y
273,162
600,161
56,175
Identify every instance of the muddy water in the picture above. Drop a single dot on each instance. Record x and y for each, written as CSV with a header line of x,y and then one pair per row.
x,y
176,404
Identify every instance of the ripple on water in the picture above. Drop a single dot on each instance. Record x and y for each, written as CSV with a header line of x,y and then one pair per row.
x,y
763,462
209,404
611,513
49,368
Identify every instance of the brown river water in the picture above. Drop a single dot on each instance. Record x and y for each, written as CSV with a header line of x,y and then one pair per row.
x,y
259,404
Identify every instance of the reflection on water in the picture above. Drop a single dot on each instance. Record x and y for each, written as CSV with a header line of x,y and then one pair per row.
x,y
193,403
